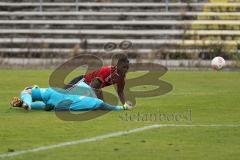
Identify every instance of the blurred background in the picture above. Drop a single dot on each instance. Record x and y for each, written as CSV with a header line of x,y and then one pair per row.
x,y
180,34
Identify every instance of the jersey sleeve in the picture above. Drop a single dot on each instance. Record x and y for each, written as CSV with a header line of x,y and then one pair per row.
x,y
103,73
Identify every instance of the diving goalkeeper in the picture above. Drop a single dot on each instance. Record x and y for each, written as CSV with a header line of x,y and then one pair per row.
x,y
49,98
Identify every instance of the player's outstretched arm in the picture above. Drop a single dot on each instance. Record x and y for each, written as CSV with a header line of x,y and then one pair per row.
x,y
107,106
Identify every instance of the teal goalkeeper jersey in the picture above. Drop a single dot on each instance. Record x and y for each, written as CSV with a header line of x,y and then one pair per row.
x,y
80,98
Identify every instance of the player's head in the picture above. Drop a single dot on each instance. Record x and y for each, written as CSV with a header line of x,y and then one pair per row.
x,y
16,102
123,64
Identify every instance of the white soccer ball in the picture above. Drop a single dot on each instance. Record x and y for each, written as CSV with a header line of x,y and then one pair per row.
x,y
218,63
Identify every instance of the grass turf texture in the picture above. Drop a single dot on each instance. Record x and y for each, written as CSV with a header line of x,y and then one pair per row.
x,y
213,98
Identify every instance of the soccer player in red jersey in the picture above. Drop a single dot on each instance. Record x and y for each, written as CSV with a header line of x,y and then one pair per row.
x,y
106,76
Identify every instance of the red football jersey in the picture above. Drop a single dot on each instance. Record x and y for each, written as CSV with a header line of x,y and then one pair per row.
x,y
108,75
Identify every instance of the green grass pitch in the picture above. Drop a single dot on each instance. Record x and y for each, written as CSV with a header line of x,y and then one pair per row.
x,y
213,97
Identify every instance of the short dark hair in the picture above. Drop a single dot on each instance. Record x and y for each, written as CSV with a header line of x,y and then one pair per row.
x,y
118,59
122,60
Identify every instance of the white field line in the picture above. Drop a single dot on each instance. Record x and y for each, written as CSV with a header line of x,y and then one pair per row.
x,y
109,135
